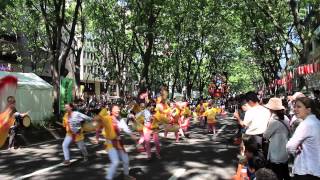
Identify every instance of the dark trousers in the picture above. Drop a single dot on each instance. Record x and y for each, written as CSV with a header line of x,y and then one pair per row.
x,y
12,136
305,177
281,170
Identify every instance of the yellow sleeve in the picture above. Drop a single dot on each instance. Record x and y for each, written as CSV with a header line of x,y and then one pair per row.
x,y
104,112
198,108
64,120
205,105
109,131
206,113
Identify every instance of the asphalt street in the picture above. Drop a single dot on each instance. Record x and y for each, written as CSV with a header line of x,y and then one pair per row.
x,y
200,157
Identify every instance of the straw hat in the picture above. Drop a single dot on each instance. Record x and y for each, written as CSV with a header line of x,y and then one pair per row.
x,y
275,104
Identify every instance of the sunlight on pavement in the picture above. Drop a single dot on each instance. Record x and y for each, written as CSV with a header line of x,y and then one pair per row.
x,y
177,173
41,171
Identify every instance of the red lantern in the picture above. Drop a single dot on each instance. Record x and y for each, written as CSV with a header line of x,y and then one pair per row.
x,y
299,69
315,67
311,68
305,69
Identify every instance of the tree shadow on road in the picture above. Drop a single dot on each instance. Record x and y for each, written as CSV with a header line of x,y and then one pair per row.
x,y
199,158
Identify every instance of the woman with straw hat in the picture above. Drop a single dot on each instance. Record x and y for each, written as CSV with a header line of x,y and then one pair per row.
x,y
277,134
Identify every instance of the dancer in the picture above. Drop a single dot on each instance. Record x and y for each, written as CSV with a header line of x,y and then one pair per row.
x,y
173,125
211,114
151,129
141,116
72,121
17,121
114,144
139,124
185,120
7,84
201,108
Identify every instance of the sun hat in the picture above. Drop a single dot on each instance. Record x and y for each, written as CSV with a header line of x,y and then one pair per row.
x,y
275,104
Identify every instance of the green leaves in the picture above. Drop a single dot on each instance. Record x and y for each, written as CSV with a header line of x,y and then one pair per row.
x,y
178,42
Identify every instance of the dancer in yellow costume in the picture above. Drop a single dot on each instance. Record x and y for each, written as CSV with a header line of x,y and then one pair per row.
x,y
200,109
185,119
173,125
72,121
112,126
151,129
163,110
211,114
138,125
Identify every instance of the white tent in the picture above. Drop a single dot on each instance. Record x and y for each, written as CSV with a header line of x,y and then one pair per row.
x,y
33,94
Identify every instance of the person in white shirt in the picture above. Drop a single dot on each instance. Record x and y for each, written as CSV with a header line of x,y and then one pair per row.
x,y
278,133
256,118
305,142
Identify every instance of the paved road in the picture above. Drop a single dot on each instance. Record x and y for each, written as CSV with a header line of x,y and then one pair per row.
x,y
202,156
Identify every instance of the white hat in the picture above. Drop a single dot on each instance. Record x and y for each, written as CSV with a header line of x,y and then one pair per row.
x,y
275,104
296,95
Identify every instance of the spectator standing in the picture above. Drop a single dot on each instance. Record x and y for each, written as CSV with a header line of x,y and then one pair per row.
x,y
277,134
305,142
256,118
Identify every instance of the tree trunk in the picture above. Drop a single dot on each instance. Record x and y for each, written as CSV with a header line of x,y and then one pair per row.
x,y
56,84
78,54
189,89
